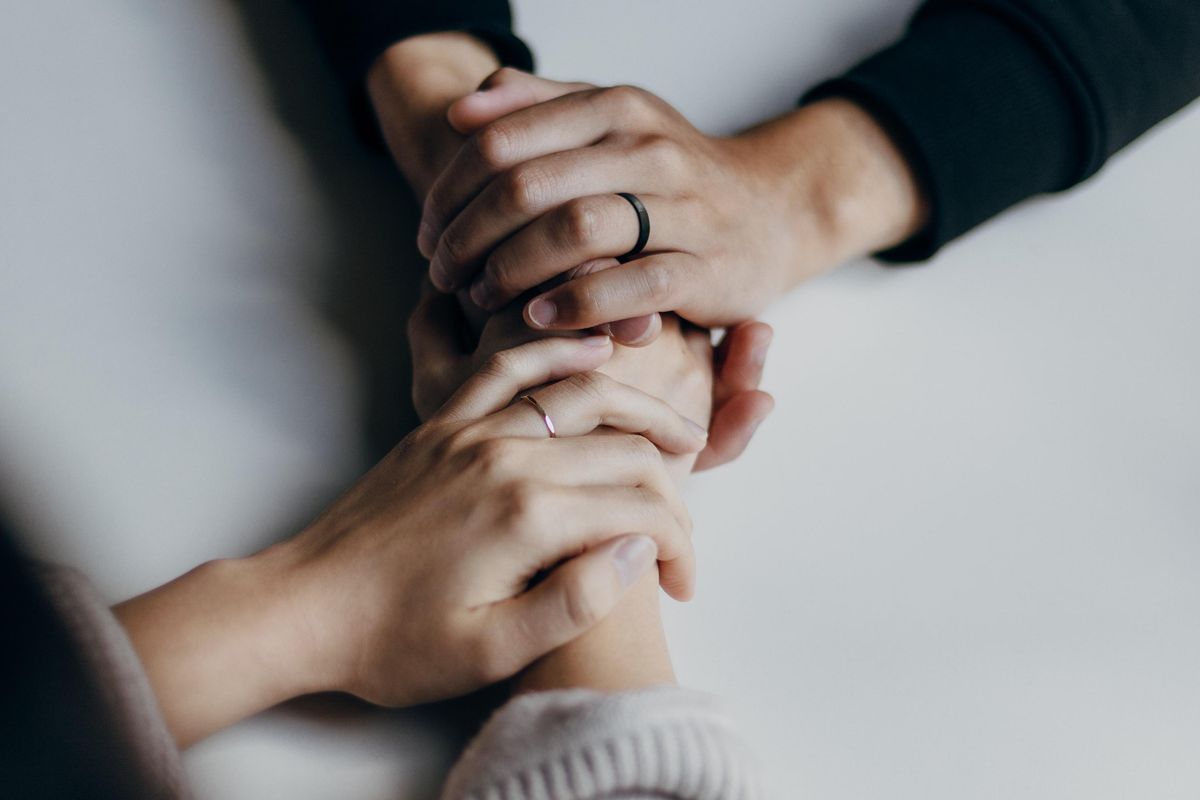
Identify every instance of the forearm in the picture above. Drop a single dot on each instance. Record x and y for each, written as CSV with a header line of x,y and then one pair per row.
x,y
412,84
628,650
218,644
847,186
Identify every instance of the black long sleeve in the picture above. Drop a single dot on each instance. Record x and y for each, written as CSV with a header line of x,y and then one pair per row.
x,y
355,32
994,101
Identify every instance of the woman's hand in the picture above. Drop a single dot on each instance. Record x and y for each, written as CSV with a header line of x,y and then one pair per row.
x,y
730,375
416,584
734,221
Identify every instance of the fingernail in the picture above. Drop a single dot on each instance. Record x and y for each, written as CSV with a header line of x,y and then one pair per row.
x,y
595,341
542,312
694,427
438,275
426,241
633,557
759,354
630,330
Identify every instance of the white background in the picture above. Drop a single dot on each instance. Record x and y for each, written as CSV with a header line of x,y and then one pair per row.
x,y
961,560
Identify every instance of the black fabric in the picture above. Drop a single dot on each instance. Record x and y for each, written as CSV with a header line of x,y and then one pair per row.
x,y
58,737
355,32
994,101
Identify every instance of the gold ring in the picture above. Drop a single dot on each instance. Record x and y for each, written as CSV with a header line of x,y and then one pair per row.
x,y
528,398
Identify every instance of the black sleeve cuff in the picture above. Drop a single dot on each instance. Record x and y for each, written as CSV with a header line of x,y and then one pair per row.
x,y
355,32
974,101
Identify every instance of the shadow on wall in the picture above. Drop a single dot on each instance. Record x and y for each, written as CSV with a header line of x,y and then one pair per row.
x,y
372,270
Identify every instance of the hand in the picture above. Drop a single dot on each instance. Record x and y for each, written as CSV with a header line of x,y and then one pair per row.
x,y
735,221
414,586
411,85
442,362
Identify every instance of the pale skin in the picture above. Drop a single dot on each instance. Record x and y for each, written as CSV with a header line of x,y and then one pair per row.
x,y
628,649
415,585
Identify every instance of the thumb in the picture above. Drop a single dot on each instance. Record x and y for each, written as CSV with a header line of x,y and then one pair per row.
x,y
577,595
504,91
732,427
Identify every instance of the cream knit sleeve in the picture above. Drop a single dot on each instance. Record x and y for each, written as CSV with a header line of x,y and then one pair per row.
x,y
108,654
663,743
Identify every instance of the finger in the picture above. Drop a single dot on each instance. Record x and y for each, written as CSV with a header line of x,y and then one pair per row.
x,y
636,331
740,358
504,91
732,427
569,122
557,125
585,401
661,282
573,598
506,373
574,232
520,195
569,520
603,460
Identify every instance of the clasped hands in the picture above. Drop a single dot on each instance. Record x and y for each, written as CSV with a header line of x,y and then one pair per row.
x,y
416,584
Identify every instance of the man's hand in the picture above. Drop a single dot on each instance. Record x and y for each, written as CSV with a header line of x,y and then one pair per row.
x,y
734,221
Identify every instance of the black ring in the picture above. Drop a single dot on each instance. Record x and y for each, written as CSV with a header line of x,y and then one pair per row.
x,y
643,225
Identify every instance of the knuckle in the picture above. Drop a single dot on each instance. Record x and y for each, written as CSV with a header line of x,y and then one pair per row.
x,y
454,245
501,271
450,444
629,99
592,385
495,145
579,223
580,300
525,189
460,440
659,282
518,509
494,457
665,153
498,365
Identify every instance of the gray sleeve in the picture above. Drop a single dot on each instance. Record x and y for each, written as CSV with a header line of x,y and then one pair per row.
x,y
576,744
108,654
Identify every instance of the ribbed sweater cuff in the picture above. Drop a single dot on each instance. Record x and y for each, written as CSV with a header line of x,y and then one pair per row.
x,y
579,744
974,100
108,655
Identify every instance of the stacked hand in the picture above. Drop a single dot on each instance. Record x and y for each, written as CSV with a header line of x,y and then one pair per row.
x,y
414,585
734,221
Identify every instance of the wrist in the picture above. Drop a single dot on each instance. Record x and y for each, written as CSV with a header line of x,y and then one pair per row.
x,y
221,643
627,650
412,84
845,185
